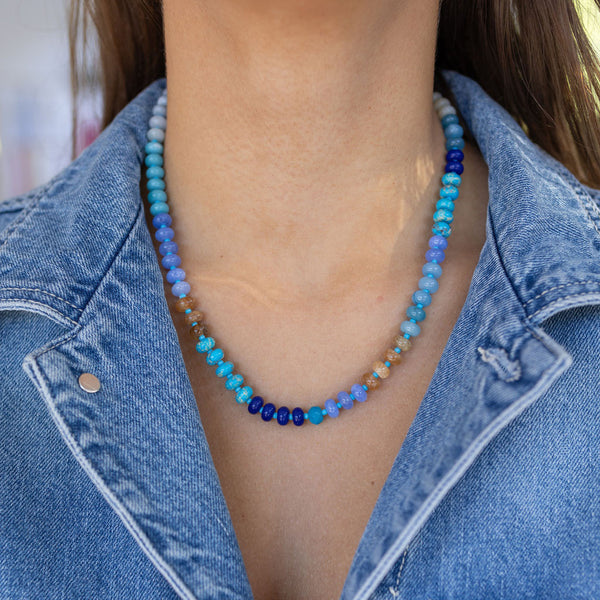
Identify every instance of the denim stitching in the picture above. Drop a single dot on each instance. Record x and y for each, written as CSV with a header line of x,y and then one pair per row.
x,y
20,289
558,300
28,300
562,285
394,590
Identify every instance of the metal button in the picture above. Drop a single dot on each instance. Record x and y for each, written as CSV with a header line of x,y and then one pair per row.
x,y
89,383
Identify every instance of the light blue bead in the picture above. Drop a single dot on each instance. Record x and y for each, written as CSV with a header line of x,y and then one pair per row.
x,y
156,135
445,203
158,172
429,283
345,400
449,120
157,196
162,99
225,369
331,407
453,131
443,215
234,381
430,268
442,228
449,191
159,207
421,297
455,144
358,392
315,416
205,344
159,110
158,122
154,160
155,184
411,328
416,313
182,287
214,356
452,179
154,148
242,395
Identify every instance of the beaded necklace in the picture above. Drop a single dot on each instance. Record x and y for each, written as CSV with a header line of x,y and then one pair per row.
x,y
206,345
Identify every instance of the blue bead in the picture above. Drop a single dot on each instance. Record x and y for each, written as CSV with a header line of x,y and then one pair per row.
x,y
449,120
451,179
429,283
454,155
175,275
443,215
153,160
234,381
255,405
435,254
315,415
242,395
156,135
163,234
171,260
157,121
345,400
225,369
214,356
155,184
153,172
449,191
298,417
181,287
416,313
421,297
160,110
157,196
267,412
446,204
154,148
411,328
454,167
206,344
437,241
441,228
453,131
358,392
430,268
159,208
331,407
161,219
458,143
167,247
283,415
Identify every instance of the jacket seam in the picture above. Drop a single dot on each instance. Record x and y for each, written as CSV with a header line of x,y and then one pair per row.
x,y
556,287
24,289
30,301
561,299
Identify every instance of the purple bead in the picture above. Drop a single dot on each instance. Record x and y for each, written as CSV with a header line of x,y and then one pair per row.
x,y
165,233
298,417
454,167
438,241
255,404
283,415
171,260
331,407
181,287
175,275
267,412
167,247
345,400
358,391
435,254
162,219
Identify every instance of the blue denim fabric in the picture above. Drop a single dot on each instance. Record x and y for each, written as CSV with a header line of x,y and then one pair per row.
x,y
114,495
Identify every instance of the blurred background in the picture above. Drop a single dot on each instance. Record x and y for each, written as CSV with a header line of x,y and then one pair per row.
x,y
35,96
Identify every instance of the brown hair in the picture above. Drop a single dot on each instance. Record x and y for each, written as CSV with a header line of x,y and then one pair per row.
x,y
533,57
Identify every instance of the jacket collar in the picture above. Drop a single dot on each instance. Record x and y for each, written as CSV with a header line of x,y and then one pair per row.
x,y
80,252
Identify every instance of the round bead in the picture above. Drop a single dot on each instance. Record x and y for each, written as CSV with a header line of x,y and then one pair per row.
x,y
171,260
157,196
234,381
164,233
298,417
450,119
155,172
162,219
283,415
411,328
162,99
205,344
442,228
382,371
454,155
198,330
370,381
193,317
453,131
331,407
214,356
392,356
168,247
159,110
421,297
184,303
430,268
402,343
181,287
153,160
155,135
224,369
267,412
458,143
155,184
449,191
435,254
416,313
359,393
175,275
154,148
429,283
451,179
446,204
315,415
345,400
159,207
255,405
448,109
243,394
157,121
454,167
437,241
443,215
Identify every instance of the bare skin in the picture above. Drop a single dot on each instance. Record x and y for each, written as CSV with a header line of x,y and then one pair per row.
x,y
303,160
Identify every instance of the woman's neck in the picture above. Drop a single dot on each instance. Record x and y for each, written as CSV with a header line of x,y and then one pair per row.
x,y
302,143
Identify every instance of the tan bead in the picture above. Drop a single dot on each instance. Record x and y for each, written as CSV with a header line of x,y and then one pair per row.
x,y
184,303
198,330
381,369
403,343
370,381
392,356
193,316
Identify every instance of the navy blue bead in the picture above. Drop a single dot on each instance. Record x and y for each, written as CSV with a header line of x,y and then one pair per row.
x,y
162,219
167,247
454,167
298,416
171,260
267,412
165,233
454,156
283,415
255,404
435,254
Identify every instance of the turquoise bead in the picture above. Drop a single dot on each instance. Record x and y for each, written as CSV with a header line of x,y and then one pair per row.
x,y
453,131
158,208
449,120
243,394
416,313
451,179
443,215
455,144
446,204
225,369
155,184
214,356
234,381
154,148
449,191
315,415
430,284
430,268
157,196
155,172
205,344
442,228
154,160
409,327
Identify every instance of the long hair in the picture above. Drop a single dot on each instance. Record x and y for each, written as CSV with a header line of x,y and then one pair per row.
x,y
532,57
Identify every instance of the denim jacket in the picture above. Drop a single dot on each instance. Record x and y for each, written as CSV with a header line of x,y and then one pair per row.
x,y
113,495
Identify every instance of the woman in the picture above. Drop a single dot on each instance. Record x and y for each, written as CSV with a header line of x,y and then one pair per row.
x,y
303,161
